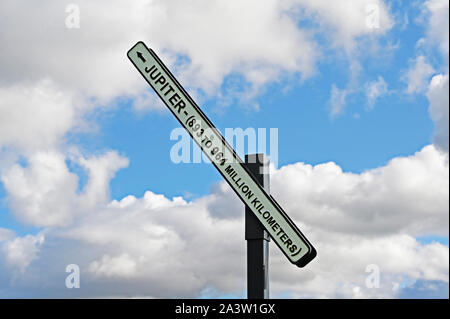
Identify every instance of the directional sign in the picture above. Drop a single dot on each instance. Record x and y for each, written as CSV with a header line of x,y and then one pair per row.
x,y
277,223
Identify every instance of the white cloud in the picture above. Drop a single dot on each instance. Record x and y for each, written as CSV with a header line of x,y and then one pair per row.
x,y
418,75
19,252
337,100
340,267
437,94
44,192
375,89
6,234
253,38
120,266
100,170
381,201
349,20
256,39
35,116
438,24
147,246
91,59
52,75
260,40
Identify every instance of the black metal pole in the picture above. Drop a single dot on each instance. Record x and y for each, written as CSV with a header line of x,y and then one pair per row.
x,y
257,238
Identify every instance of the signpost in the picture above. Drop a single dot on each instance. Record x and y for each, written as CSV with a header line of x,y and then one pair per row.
x,y
275,221
256,236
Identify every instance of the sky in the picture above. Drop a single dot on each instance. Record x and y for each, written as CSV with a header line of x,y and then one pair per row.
x,y
349,99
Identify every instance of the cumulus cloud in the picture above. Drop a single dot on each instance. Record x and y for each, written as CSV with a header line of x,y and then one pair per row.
x,y
340,268
439,103
6,234
52,75
92,58
34,116
418,75
19,252
337,100
437,32
96,50
146,246
375,89
222,203
350,20
44,192
101,169
381,201
118,266
37,44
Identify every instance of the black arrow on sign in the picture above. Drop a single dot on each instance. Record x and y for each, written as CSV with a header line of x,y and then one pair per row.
x,y
140,56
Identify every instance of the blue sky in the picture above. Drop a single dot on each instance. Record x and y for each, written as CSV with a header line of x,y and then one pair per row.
x,y
103,136
399,125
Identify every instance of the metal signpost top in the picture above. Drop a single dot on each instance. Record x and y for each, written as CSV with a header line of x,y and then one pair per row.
x,y
283,231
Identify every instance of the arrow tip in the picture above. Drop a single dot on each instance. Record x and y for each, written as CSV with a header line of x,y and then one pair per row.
x,y
140,56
